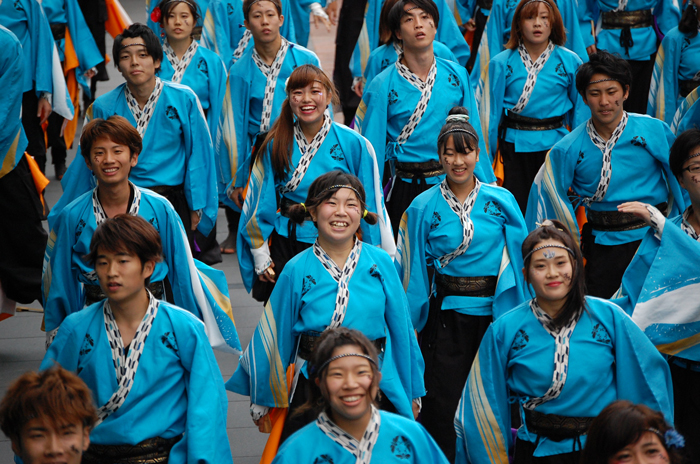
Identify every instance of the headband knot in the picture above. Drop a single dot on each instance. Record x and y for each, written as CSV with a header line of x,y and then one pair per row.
x,y
457,118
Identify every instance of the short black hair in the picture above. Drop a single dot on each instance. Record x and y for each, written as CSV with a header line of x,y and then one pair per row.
x,y
680,150
136,30
398,11
688,24
603,62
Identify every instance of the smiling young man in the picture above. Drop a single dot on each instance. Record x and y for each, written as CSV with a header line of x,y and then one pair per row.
x,y
111,149
177,160
148,363
404,107
254,95
613,158
48,417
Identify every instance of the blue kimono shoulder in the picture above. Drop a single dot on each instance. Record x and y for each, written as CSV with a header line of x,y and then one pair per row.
x,y
177,368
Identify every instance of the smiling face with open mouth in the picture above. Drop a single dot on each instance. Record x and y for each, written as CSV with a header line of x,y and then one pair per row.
x,y
459,167
309,103
110,161
338,217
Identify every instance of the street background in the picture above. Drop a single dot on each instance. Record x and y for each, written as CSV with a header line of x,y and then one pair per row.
x,y
21,338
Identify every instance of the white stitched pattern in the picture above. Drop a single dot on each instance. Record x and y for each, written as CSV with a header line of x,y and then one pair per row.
x,y
426,90
606,148
125,364
271,73
308,150
463,211
562,336
342,277
533,69
143,117
180,66
362,450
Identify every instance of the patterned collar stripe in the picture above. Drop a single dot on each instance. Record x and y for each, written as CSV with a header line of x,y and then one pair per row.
x,y
533,70
362,450
562,337
143,117
271,72
345,355
426,90
606,148
179,65
125,364
342,277
463,212
308,151
571,252
242,45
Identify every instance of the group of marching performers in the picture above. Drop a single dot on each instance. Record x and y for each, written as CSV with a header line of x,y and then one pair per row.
x,y
495,258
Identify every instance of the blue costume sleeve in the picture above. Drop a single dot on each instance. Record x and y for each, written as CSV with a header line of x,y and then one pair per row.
x,y
217,90
688,114
13,142
221,31
492,87
262,371
89,55
65,348
482,420
574,38
663,92
411,262
371,115
205,439
258,216
200,177
667,14
61,289
449,34
580,112
42,47
492,42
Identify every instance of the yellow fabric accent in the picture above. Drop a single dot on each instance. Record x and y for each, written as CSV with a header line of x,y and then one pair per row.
x,y
360,115
560,205
680,345
9,162
222,300
211,30
268,334
660,95
252,228
490,432
404,250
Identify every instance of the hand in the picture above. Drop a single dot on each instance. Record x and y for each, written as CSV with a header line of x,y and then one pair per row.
x,y
320,20
194,218
333,11
269,274
591,50
44,110
416,409
90,73
359,88
264,424
637,208
470,25
237,196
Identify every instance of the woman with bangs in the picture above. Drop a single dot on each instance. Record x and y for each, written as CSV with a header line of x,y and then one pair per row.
x,y
464,231
302,144
529,96
561,357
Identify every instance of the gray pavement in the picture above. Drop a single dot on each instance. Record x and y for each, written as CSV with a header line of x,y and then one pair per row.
x,y
22,341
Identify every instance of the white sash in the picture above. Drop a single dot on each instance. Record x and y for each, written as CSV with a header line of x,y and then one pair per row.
x,y
308,150
180,66
125,365
426,90
271,73
342,277
606,148
143,117
562,337
533,69
463,211
362,450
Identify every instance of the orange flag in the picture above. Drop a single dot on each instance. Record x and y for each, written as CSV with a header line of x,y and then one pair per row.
x,y
69,68
278,416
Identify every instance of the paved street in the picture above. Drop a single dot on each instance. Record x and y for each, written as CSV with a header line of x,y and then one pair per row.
x,y
22,341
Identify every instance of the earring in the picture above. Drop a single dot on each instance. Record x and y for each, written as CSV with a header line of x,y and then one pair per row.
x,y
162,34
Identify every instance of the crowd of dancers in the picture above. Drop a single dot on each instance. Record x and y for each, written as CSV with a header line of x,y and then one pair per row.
x,y
495,257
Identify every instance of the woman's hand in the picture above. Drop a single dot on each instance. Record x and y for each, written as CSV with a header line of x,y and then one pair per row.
x,y
194,218
269,274
264,424
637,208
236,196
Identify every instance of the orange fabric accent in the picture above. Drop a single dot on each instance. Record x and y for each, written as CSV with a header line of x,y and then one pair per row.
x,y
115,23
498,170
278,416
469,37
70,66
4,316
40,180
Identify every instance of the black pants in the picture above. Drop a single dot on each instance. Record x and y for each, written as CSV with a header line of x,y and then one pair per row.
x,y
32,127
349,26
56,140
605,264
519,170
524,451
480,19
449,344
22,237
686,385
402,194
641,81
282,249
